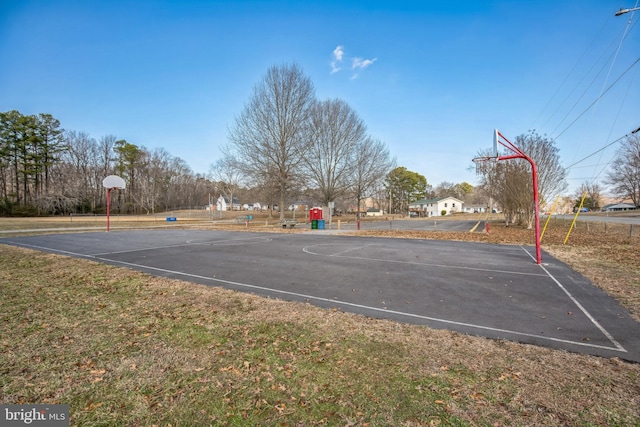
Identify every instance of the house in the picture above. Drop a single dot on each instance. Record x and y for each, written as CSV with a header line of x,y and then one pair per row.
x,y
299,206
436,207
475,208
619,207
223,204
374,212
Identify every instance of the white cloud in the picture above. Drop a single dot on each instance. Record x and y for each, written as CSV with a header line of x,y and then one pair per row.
x,y
338,53
362,63
357,63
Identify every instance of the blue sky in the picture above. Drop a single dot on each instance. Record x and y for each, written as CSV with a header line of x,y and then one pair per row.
x,y
430,78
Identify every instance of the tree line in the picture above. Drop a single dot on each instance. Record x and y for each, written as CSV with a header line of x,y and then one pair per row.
x,y
45,169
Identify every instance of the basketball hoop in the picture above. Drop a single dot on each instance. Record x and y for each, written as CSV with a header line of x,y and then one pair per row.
x,y
482,166
482,163
112,182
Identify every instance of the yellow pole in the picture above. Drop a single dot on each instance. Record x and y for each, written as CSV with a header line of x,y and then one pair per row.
x,y
575,217
553,208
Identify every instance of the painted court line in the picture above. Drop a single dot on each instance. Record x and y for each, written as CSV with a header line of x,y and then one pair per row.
x,y
488,270
332,301
188,243
349,304
577,304
547,274
348,250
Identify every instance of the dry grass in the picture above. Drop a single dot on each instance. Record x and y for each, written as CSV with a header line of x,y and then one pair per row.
x,y
125,348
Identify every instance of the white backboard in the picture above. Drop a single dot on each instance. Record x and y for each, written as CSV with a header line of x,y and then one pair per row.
x,y
113,181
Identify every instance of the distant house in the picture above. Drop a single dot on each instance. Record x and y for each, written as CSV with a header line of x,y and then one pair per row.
x,y
224,204
374,212
619,207
299,206
475,208
436,207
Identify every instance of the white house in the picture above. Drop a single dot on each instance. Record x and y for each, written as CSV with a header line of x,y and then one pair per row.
x,y
374,212
435,207
475,208
619,207
223,204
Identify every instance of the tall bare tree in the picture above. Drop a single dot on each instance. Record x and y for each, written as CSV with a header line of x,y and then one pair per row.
x,y
372,164
269,134
624,175
336,134
78,179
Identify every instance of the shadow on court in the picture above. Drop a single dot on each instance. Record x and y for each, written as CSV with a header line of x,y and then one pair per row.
x,y
496,291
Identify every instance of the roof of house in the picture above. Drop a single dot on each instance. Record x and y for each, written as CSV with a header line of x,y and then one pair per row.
x,y
226,199
618,205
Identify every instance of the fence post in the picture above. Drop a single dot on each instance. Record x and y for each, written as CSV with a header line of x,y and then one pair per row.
x,y
631,230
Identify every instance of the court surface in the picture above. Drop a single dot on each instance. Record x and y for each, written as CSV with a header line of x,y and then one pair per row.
x,y
496,291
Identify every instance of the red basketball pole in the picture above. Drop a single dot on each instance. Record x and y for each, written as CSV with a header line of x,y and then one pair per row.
x,y
534,172
111,182
108,206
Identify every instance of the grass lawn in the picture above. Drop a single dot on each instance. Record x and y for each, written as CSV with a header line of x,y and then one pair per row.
x,y
125,348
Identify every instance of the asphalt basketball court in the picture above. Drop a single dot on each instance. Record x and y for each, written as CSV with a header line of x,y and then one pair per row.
x,y
496,291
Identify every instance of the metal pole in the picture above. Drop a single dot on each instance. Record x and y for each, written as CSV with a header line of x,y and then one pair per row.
x,y
108,206
534,172
536,209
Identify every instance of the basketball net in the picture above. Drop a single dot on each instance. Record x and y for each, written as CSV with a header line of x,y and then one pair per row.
x,y
483,163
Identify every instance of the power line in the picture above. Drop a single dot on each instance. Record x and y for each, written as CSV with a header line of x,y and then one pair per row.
x,y
603,148
598,98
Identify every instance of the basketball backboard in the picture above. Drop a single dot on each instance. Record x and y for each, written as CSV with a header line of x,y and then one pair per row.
x,y
113,181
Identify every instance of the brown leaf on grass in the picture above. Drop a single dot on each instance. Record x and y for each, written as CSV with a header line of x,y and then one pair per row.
x,y
91,406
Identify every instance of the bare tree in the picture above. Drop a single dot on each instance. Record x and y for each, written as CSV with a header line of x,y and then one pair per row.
x,y
336,134
152,182
592,193
78,182
269,135
510,182
624,176
228,173
372,164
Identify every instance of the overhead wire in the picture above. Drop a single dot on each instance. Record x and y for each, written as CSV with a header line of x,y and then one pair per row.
x,y
611,60
599,97
594,177
566,78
